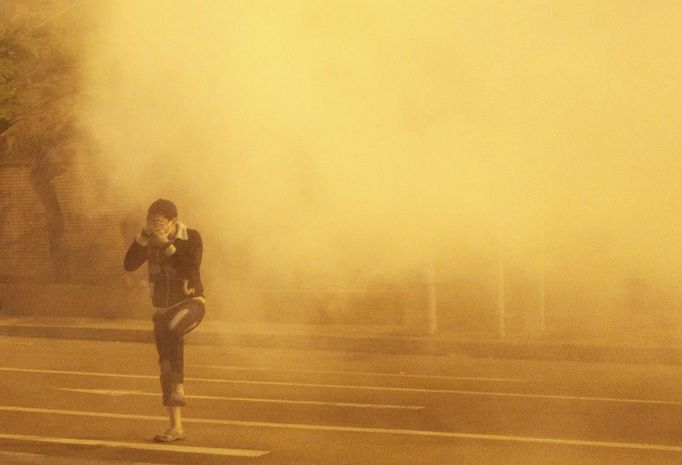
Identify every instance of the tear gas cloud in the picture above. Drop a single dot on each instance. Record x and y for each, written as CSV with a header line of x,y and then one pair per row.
x,y
360,140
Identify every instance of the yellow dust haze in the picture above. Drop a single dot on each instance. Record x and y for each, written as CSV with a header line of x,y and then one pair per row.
x,y
350,141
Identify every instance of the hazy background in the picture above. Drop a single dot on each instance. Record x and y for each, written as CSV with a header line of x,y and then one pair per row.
x,y
349,143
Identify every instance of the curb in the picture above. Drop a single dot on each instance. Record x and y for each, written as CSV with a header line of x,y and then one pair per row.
x,y
405,345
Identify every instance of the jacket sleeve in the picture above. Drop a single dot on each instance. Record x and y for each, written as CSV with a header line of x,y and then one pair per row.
x,y
192,262
137,253
196,254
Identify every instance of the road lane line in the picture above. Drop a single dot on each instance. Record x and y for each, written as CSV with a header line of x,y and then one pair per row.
x,y
360,373
357,429
109,392
367,388
29,458
137,445
77,373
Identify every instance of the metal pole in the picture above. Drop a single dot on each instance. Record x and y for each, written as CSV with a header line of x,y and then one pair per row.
x,y
543,324
501,323
433,301
543,280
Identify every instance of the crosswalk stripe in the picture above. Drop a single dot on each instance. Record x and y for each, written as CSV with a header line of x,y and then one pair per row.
x,y
367,388
114,392
358,373
136,445
357,429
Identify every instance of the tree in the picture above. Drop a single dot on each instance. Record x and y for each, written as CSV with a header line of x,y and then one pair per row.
x,y
38,93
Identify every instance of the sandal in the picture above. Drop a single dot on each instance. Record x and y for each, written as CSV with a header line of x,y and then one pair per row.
x,y
169,436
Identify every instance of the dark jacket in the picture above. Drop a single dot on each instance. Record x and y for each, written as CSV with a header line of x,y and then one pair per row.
x,y
174,273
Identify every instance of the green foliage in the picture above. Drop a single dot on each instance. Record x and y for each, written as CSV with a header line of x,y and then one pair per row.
x,y
38,79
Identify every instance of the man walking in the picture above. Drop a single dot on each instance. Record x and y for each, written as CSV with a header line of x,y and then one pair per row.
x,y
173,253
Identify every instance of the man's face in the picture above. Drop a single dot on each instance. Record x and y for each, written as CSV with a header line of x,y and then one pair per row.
x,y
160,224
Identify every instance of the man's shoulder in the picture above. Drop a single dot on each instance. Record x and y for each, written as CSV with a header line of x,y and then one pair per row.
x,y
193,234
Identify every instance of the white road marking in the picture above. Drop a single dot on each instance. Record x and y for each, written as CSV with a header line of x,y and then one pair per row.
x,y
108,392
28,458
356,429
77,373
365,388
137,445
360,373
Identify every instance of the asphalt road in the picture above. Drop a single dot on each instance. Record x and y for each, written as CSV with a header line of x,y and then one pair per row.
x,y
87,402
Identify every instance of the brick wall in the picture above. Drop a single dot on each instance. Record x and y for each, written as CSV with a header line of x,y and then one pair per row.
x,y
23,236
92,237
99,226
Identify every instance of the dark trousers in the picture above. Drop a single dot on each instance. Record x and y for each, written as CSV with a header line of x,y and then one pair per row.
x,y
170,327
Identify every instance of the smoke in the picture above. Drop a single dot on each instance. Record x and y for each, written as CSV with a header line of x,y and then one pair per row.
x,y
354,141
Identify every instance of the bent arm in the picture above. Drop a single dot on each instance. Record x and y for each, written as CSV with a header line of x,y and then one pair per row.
x,y
189,262
137,253
196,254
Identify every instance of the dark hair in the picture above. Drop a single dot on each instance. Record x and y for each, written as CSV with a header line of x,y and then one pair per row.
x,y
163,207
